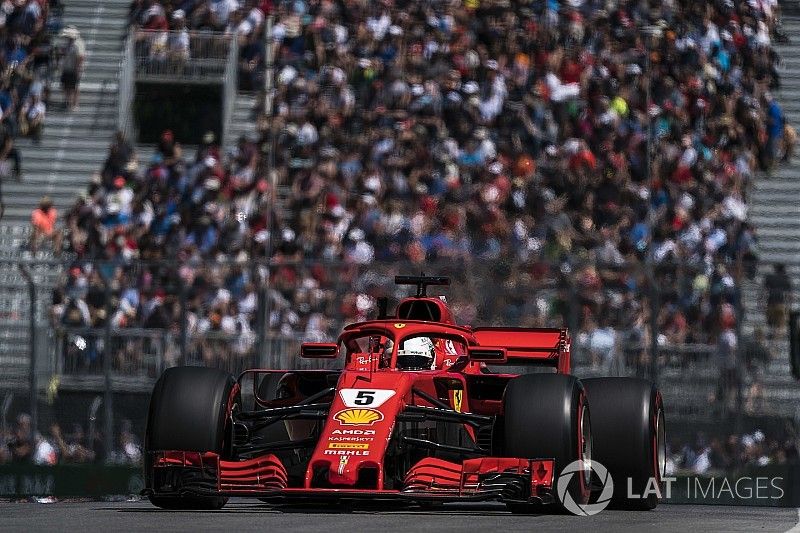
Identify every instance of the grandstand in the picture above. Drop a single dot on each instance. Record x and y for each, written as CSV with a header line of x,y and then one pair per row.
x,y
396,138
72,147
775,213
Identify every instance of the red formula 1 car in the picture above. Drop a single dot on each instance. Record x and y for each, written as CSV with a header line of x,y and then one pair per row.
x,y
419,414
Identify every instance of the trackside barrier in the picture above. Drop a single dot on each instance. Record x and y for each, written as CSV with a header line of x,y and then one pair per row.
x,y
87,481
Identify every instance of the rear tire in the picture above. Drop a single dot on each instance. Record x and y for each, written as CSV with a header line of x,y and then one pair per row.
x,y
189,410
547,416
629,437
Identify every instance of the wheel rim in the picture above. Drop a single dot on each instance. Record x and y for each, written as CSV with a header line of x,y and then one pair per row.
x,y
661,445
586,438
585,448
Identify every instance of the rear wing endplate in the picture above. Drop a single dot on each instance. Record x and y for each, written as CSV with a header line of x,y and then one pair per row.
x,y
543,346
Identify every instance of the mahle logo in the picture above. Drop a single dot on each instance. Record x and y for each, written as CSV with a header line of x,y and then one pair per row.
x,y
587,467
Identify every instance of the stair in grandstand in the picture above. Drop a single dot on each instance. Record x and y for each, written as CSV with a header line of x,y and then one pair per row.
x,y
73,146
243,119
243,122
775,213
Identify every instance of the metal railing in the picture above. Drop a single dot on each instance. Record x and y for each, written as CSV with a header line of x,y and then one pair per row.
x,y
178,57
127,89
171,56
230,83
690,376
134,352
292,301
140,355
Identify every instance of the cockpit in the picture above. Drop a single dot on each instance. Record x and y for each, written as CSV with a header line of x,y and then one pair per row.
x,y
414,351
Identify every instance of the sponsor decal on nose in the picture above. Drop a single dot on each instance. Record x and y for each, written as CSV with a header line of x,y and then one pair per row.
x,y
358,417
342,464
347,446
362,453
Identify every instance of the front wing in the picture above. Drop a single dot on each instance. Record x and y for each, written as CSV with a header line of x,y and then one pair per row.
x,y
178,473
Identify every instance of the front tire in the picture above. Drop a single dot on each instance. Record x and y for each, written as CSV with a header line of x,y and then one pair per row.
x,y
629,438
189,409
547,416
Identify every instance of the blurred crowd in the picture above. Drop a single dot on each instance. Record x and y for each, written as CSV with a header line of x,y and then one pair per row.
x,y
27,58
507,137
23,444
211,213
166,25
714,454
518,132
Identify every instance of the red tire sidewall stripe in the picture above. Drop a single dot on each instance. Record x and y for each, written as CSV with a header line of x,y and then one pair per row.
x,y
228,411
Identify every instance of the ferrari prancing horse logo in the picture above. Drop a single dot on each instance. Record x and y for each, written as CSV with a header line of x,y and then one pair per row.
x,y
399,325
458,395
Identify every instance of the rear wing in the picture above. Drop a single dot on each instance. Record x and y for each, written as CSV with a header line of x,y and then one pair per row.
x,y
541,346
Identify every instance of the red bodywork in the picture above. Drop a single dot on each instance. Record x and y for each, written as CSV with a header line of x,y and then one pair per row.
x,y
356,452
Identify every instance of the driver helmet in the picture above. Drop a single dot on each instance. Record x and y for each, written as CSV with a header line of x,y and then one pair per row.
x,y
416,353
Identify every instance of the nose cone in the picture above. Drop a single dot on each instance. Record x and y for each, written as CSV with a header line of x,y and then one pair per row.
x,y
353,443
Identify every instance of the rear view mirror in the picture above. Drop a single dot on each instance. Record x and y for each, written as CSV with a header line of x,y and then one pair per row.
x,y
484,354
319,350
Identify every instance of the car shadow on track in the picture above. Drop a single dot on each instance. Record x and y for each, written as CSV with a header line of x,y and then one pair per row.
x,y
256,508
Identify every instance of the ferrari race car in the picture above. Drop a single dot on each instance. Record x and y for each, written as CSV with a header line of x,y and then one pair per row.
x,y
421,412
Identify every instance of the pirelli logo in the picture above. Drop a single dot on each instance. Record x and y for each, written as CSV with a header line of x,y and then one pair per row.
x,y
347,446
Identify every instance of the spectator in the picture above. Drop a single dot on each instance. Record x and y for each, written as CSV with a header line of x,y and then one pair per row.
x,y
603,344
727,354
72,66
178,43
130,451
22,444
25,62
775,127
789,141
252,63
43,223
779,293
71,448
10,160
727,453
44,452
5,452
32,116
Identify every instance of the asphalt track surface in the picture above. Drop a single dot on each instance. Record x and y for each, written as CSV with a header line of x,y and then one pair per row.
x,y
246,515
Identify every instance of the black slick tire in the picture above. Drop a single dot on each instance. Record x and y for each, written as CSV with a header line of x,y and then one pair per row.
x,y
189,411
